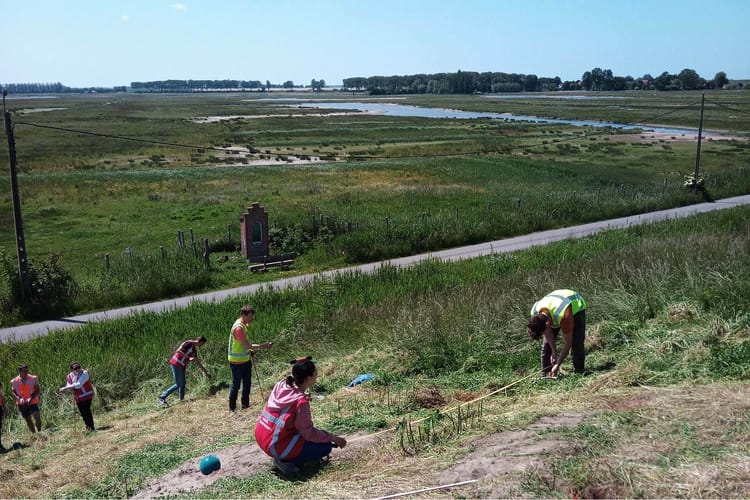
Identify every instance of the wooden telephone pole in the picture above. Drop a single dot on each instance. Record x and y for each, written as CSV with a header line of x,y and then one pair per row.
x,y
23,262
700,133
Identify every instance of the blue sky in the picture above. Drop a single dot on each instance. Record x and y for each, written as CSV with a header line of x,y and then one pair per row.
x,y
111,42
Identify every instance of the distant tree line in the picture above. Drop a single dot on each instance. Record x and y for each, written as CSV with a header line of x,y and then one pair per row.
x,y
687,79
198,85
460,82
470,82
55,88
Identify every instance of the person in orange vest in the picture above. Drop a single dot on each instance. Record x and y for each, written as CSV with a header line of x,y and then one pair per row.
x,y
285,430
2,412
79,382
25,388
187,352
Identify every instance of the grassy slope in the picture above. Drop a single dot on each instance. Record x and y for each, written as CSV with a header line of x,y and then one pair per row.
x,y
666,407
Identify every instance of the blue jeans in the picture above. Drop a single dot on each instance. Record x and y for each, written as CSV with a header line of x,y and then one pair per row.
x,y
242,374
179,383
312,452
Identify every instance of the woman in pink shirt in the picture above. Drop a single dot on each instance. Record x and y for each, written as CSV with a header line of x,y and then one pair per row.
x,y
285,430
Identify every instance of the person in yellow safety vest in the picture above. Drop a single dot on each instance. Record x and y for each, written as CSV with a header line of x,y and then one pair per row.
x,y
25,388
79,382
239,357
2,413
559,310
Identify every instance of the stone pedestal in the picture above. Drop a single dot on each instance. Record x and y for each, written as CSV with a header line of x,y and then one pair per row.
x,y
254,232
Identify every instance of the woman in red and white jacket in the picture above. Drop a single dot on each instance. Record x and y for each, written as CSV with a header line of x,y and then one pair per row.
x,y
79,382
285,430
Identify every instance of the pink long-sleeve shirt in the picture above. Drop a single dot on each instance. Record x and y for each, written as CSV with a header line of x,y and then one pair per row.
x,y
284,396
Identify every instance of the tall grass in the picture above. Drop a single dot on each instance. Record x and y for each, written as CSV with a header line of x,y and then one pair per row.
x,y
648,288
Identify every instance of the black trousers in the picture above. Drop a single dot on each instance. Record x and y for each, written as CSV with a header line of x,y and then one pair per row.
x,y
578,353
241,376
84,407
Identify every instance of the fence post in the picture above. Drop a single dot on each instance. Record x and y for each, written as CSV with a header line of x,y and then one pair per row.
x,y
205,253
192,242
162,253
229,235
129,251
106,262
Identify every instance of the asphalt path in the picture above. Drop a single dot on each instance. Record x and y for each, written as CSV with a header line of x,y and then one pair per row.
x,y
25,332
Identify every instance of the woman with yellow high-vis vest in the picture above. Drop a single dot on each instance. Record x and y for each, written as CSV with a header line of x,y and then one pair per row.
x,y
239,356
559,310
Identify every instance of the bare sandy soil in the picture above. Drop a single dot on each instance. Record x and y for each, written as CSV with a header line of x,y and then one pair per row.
x,y
236,461
497,462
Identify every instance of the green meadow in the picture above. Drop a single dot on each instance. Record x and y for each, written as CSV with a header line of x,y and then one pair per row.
x,y
667,335
102,173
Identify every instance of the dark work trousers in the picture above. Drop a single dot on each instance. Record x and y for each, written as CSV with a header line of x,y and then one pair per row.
x,y
313,451
579,336
1,426
85,408
241,375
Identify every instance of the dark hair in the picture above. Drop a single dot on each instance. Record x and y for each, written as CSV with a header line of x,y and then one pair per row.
x,y
536,326
75,365
21,367
247,309
201,339
303,368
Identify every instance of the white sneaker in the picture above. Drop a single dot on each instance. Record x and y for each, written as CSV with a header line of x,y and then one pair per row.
x,y
163,402
286,468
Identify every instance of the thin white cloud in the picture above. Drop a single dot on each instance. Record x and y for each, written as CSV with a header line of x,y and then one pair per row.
x,y
179,6
125,18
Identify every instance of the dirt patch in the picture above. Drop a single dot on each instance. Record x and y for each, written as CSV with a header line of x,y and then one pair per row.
x,y
499,461
236,461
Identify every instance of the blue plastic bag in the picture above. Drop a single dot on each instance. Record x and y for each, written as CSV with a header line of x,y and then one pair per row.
x,y
361,378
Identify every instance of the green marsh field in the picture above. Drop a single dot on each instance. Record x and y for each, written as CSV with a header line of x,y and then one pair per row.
x,y
102,173
663,411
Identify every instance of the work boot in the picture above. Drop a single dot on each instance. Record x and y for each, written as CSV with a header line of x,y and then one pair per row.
x,y
286,468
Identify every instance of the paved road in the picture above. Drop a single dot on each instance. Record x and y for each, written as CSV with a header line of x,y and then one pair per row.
x,y
24,332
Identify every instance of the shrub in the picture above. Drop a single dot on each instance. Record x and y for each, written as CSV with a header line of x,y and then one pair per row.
x,y
53,289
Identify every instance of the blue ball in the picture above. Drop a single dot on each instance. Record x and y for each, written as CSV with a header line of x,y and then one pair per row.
x,y
209,464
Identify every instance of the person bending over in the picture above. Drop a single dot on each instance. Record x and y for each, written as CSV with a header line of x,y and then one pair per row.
x,y
559,310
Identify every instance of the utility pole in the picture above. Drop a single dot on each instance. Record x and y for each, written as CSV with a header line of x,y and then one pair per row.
x,y
698,153
23,262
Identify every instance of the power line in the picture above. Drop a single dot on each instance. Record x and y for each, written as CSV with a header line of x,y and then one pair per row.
x,y
729,108
124,138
